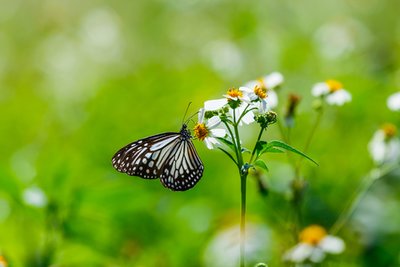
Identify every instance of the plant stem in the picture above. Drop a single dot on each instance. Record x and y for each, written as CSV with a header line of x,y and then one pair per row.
x,y
358,195
243,176
243,219
254,149
308,142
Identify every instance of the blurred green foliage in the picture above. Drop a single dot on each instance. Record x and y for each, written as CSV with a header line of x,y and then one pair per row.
x,y
80,79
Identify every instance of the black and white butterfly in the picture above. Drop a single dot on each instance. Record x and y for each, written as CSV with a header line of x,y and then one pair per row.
x,y
169,156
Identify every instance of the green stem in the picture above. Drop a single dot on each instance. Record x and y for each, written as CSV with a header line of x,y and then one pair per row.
x,y
358,195
233,140
282,131
308,142
243,176
254,149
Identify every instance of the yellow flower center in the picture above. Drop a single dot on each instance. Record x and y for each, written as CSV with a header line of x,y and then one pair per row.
x,y
233,92
261,83
389,129
200,131
261,92
312,234
334,85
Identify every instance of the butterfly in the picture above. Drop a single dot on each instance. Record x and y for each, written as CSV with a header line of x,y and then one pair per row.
x,y
169,156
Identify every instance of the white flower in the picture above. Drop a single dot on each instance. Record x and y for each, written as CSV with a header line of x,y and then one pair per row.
x,y
393,102
267,84
384,146
231,94
241,99
332,91
207,131
314,244
34,196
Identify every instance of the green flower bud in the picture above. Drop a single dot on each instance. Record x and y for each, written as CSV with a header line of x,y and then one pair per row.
x,y
234,103
209,114
266,119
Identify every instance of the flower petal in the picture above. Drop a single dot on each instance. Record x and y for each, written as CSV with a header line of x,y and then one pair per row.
x,y
320,89
248,118
213,122
252,84
272,99
211,142
201,115
393,102
338,98
299,253
245,89
273,80
377,147
218,132
332,244
215,104
317,255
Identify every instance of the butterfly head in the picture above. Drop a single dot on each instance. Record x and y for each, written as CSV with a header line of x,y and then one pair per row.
x,y
185,132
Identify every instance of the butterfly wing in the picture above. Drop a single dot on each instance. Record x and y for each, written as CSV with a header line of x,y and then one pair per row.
x,y
183,169
146,157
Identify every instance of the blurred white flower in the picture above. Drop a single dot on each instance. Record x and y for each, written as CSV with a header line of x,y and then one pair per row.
x,y
206,130
313,245
332,91
34,196
222,251
393,102
263,89
384,146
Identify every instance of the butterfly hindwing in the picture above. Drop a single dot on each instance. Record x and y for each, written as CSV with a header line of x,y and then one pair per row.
x,y
183,169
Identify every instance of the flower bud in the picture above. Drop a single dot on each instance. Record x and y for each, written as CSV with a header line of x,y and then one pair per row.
x,y
291,109
266,119
209,114
234,103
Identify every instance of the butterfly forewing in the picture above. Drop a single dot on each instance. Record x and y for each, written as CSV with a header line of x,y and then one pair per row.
x,y
170,156
145,157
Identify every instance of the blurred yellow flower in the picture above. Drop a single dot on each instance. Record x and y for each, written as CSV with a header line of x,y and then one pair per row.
x,y
314,243
3,262
332,91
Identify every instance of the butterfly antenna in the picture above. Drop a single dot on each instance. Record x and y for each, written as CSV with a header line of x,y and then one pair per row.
x,y
191,116
183,119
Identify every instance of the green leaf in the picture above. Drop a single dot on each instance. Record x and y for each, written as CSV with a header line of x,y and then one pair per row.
x,y
271,149
227,143
260,163
283,145
259,147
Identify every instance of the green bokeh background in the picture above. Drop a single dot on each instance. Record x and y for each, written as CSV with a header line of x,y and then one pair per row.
x,y
80,79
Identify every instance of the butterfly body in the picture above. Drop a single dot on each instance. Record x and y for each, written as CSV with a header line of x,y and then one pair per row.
x,y
169,156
